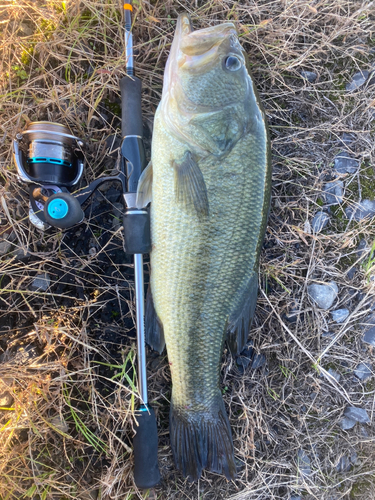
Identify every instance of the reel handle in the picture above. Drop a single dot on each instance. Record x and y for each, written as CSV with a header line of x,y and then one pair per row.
x,y
63,210
131,116
145,445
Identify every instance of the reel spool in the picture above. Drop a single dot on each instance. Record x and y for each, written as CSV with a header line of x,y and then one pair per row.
x,y
49,159
46,153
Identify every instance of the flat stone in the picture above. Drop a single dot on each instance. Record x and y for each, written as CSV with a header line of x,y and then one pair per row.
x,y
357,414
309,76
351,273
345,164
347,423
323,295
347,138
328,335
362,248
369,336
336,375
258,361
319,221
340,315
357,81
359,211
304,464
41,282
334,192
5,247
295,497
363,371
344,464
6,399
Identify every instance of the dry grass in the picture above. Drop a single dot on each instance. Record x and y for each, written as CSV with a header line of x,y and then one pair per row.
x,y
67,355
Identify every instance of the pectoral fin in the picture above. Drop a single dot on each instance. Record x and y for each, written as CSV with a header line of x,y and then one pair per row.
x,y
190,188
144,190
241,317
153,327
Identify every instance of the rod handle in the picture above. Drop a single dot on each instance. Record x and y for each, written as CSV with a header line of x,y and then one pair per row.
x,y
145,445
131,118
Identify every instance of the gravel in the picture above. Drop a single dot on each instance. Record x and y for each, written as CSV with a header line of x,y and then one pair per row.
x,y
369,336
334,192
340,315
345,164
357,80
363,371
309,76
319,221
323,295
336,375
359,211
357,414
347,423
304,464
5,247
41,282
344,464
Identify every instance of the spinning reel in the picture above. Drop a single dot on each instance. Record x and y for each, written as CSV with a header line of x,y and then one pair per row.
x,y
50,160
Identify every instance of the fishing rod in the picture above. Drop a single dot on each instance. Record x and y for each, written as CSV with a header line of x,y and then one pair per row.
x,y
136,224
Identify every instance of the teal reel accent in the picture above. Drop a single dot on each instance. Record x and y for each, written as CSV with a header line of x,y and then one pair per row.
x,y
58,208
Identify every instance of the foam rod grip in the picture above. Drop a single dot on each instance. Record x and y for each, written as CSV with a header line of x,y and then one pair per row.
x,y
131,94
145,445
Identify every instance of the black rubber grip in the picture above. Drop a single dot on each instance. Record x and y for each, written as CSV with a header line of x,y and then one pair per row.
x,y
145,444
131,118
137,238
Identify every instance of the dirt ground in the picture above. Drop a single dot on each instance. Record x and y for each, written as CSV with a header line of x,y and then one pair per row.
x,y
67,349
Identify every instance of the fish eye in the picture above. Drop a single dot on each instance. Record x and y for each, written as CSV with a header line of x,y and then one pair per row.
x,y
233,63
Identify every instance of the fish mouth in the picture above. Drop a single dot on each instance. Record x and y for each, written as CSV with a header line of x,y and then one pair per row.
x,y
196,49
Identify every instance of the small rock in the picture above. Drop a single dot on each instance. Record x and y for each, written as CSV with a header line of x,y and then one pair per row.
x,y
363,371
345,164
334,192
295,497
351,273
362,248
258,361
369,336
328,335
92,251
41,282
309,76
347,423
6,399
5,247
357,81
319,221
344,464
340,315
359,211
357,414
347,138
354,458
336,375
363,431
304,463
323,295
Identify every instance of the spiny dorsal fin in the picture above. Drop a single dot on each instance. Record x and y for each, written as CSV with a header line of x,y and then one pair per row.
x,y
190,187
144,190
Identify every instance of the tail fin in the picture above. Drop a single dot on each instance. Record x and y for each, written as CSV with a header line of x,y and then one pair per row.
x,y
202,440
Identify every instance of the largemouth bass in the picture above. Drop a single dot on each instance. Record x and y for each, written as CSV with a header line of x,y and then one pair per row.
x,y
209,183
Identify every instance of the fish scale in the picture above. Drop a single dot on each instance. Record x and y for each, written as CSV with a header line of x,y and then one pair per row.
x,y
206,241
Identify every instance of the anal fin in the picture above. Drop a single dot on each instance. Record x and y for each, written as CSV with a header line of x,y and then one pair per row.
x,y
153,327
240,319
